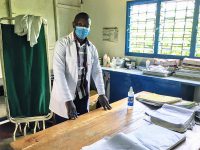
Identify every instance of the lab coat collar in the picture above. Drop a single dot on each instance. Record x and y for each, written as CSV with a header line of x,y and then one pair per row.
x,y
74,53
72,39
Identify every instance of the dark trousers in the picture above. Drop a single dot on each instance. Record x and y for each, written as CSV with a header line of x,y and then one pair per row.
x,y
81,108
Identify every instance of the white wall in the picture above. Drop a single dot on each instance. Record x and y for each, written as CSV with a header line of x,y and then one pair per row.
x,y
3,8
3,13
66,11
70,2
107,13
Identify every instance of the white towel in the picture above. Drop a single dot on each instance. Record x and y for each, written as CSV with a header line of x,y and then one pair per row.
x,y
173,117
21,25
119,141
29,25
147,137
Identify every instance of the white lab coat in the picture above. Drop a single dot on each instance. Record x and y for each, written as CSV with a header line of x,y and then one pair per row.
x,y
65,70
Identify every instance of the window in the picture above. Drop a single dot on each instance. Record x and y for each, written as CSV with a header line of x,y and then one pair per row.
x,y
176,19
163,28
142,28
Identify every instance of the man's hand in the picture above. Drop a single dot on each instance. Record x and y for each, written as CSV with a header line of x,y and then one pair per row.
x,y
72,113
104,102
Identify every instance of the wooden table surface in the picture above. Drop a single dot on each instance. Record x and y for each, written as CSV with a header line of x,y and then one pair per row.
x,y
91,127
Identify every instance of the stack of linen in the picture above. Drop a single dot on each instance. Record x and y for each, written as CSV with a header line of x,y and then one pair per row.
x,y
158,100
147,137
162,67
172,117
190,69
197,116
157,71
167,62
170,64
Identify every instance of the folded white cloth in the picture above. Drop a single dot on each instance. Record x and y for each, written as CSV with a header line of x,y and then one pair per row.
x,y
173,117
147,137
197,113
154,137
21,25
29,25
119,141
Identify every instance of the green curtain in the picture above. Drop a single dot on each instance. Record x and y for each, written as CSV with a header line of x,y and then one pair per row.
x,y
26,72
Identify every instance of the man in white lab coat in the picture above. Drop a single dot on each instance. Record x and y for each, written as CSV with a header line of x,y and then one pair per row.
x,y
75,60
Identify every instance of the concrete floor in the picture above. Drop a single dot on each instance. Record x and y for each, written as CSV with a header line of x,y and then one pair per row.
x,y
6,131
5,144
6,134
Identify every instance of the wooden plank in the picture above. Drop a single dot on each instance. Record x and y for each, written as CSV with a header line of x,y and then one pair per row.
x,y
85,130
89,128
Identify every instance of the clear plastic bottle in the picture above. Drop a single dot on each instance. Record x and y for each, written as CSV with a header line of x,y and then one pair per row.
x,y
130,98
118,62
113,62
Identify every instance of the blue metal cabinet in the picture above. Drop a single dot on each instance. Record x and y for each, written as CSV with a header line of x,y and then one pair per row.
x,y
121,82
156,85
187,92
119,85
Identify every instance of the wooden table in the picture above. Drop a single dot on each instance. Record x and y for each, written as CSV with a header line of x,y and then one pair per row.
x,y
91,127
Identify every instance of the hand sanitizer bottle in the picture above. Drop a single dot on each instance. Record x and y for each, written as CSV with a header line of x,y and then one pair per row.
x,y
130,98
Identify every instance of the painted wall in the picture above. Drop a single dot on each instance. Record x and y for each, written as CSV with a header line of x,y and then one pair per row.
x,y
107,13
3,13
66,11
70,2
3,8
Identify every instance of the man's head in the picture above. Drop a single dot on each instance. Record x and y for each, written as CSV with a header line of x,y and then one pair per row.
x,y
81,25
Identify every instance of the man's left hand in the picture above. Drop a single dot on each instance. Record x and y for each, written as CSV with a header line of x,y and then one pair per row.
x,y
103,100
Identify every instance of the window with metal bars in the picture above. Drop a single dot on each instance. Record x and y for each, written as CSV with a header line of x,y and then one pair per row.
x,y
176,18
142,28
163,28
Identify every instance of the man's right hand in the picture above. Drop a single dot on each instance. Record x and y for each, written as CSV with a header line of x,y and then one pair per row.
x,y
72,113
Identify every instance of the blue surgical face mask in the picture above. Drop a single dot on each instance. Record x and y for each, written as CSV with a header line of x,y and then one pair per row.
x,y
82,32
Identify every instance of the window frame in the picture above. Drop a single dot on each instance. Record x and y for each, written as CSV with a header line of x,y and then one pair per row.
x,y
156,38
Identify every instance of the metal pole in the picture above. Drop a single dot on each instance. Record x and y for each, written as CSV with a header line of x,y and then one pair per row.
x,y
56,19
10,11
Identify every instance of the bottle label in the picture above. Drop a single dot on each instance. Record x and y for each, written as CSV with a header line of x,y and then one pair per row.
x,y
130,101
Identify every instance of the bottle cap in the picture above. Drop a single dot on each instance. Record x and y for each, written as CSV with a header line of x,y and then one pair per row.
x,y
131,89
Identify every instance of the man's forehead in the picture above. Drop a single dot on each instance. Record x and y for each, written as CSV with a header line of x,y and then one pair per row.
x,y
82,20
